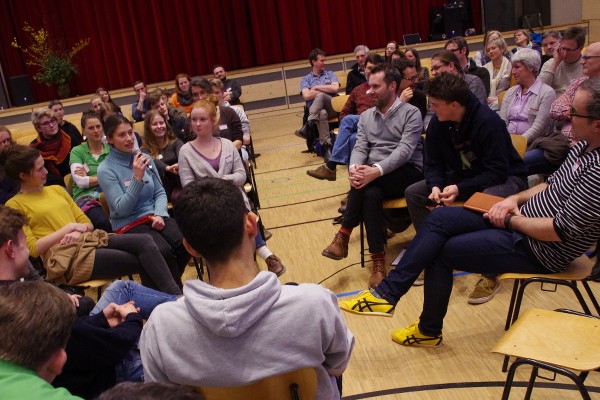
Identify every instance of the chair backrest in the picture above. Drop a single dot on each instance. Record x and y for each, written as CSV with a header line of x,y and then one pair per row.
x,y
299,384
69,184
519,143
338,102
104,203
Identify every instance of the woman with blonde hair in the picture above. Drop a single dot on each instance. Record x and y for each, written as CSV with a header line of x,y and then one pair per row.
x,y
499,68
163,146
213,156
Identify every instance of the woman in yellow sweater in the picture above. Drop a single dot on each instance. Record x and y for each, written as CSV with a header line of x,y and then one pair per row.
x,y
56,224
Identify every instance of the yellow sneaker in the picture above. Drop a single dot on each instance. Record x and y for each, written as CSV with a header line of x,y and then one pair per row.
x,y
412,336
367,304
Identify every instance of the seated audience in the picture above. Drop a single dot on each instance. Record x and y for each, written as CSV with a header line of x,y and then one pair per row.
x,y
212,156
459,46
109,104
96,104
63,124
317,88
84,161
499,68
468,150
163,146
234,319
565,66
523,41
537,231
61,234
526,108
150,391
8,187
360,100
35,323
174,116
386,159
550,43
230,126
182,96
356,75
217,90
53,144
232,90
481,57
136,197
561,108
102,347
140,105
390,48
413,55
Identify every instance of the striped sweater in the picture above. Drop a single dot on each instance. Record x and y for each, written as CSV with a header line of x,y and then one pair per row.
x,y
572,200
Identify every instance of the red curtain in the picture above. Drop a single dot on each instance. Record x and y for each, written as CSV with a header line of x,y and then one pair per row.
x,y
154,40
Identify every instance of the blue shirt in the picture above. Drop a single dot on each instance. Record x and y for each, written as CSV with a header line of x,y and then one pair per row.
x,y
310,80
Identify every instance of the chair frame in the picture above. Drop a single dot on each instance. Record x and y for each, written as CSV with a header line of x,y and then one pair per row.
x,y
518,292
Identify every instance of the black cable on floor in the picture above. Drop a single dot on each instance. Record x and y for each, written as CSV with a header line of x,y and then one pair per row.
x,y
286,169
298,223
338,271
303,202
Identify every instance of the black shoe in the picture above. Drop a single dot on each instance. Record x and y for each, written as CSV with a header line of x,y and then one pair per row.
x,y
308,151
342,209
338,220
302,132
256,155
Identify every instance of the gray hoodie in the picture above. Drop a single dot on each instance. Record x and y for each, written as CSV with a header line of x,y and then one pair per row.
x,y
232,337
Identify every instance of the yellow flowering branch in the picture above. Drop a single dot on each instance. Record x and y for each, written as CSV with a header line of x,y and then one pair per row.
x,y
56,67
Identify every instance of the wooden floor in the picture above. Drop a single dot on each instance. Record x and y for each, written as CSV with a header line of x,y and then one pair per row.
x,y
298,210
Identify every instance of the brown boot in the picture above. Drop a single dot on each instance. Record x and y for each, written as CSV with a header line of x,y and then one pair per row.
x,y
275,265
338,249
378,269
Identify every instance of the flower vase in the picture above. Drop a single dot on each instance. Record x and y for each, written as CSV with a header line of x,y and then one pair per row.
x,y
63,91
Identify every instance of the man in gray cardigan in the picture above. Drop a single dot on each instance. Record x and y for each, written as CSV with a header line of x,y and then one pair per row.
x,y
386,159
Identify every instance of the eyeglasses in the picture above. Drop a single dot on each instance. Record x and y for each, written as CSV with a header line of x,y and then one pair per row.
x,y
53,121
7,140
436,68
457,49
412,78
569,50
573,113
588,57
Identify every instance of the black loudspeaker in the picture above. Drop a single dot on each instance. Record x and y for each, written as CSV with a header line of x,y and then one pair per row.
x,y
534,7
20,90
499,15
455,22
436,21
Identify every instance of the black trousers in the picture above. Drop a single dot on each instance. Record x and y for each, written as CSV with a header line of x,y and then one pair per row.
x,y
367,202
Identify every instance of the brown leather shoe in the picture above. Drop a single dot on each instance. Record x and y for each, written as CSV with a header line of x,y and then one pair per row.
x,y
378,272
275,265
338,249
322,173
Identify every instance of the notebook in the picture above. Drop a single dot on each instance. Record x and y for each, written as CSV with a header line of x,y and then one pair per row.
x,y
481,202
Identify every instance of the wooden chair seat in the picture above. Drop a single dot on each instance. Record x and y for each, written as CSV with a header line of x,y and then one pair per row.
x,y
299,384
97,284
555,341
577,271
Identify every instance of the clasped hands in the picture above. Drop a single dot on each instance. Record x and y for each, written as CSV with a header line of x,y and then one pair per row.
x,y
361,175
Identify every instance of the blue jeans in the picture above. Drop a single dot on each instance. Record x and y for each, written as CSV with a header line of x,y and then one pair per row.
x,y
455,238
345,140
537,164
121,292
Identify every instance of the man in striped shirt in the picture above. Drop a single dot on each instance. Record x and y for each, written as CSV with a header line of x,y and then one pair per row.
x,y
540,230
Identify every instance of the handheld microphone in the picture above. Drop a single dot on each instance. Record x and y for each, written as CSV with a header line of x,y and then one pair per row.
x,y
146,156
